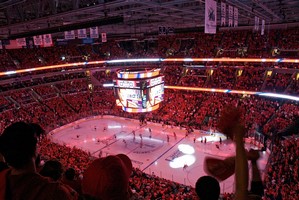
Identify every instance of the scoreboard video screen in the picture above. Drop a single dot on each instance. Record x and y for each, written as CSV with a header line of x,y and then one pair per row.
x,y
129,97
156,94
143,94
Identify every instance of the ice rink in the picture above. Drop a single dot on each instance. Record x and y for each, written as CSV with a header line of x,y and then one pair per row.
x,y
155,149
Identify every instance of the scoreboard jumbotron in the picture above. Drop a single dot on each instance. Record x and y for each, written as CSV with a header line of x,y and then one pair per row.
x,y
139,90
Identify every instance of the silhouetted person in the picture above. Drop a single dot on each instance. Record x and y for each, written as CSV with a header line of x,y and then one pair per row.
x,y
18,144
207,188
69,178
52,169
108,178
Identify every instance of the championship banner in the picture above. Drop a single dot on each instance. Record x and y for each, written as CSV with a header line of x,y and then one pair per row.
x,y
263,27
230,15
104,37
94,32
210,16
47,39
257,23
38,40
21,42
223,14
69,35
236,16
81,33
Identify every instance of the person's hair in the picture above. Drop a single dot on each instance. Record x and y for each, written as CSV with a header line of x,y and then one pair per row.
x,y
39,131
18,144
70,174
108,178
207,188
52,169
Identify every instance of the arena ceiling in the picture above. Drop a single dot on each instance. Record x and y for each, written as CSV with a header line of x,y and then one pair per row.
x,y
129,17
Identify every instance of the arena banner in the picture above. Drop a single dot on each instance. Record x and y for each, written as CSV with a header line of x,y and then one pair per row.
x,y
21,42
69,35
11,44
61,42
263,27
1,47
29,43
236,17
81,33
104,37
47,39
87,41
256,23
94,32
223,14
38,40
210,16
230,15
255,19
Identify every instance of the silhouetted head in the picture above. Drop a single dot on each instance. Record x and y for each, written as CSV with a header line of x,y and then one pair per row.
x,y
70,174
207,188
108,178
18,144
52,169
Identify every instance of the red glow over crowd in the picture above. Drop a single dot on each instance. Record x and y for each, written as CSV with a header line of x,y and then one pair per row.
x,y
56,98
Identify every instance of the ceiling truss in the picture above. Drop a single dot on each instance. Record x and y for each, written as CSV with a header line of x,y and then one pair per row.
x,y
19,16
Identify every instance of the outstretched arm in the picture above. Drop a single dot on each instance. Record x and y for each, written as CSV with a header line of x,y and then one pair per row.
x,y
230,124
241,164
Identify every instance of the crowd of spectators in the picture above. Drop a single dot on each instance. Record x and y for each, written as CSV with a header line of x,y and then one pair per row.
x,y
282,178
278,82
144,186
196,108
194,77
70,157
4,103
251,78
45,91
142,183
223,77
54,100
76,85
152,187
174,73
231,43
293,88
282,117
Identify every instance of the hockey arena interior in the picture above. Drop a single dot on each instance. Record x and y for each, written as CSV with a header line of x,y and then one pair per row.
x,y
117,100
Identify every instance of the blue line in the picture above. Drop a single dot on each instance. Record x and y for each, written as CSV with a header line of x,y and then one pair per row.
x,y
162,154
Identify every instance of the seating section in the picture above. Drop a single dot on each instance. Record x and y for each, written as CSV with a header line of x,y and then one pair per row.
x,y
282,180
56,97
